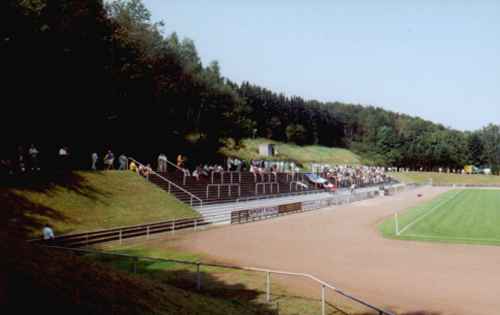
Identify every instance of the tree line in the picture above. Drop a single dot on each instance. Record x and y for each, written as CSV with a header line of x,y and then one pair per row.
x,y
97,75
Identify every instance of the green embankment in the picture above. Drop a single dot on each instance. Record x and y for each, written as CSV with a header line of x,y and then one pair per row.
x,y
83,201
303,155
446,179
237,286
69,284
458,216
73,284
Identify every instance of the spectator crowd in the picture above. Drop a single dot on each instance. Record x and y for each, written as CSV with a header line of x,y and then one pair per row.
x,y
27,159
351,176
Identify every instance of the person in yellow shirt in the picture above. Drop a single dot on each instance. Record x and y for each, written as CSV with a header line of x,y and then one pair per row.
x,y
133,167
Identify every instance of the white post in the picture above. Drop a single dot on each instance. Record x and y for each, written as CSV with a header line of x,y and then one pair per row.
x,y
397,223
323,308
268,287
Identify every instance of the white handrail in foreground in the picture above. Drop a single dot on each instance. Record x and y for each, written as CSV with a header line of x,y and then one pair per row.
x,y
324,285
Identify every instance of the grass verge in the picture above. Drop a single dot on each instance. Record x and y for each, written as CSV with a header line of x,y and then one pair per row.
x,y
446,179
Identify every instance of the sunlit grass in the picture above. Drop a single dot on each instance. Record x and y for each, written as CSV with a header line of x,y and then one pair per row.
x,y
302,155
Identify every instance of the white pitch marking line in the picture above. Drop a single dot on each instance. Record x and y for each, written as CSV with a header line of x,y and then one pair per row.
x,y
429,212
446,238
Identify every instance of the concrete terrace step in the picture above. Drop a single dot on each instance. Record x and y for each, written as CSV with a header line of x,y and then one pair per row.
x,y
222,212
261,203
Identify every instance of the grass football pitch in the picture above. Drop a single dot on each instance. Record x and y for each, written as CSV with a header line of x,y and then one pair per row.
x,y
459,216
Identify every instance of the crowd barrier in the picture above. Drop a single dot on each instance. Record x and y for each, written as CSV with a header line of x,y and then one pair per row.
x,y
255,214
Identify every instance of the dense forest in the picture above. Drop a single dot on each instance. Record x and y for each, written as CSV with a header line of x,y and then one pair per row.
x,y
95,75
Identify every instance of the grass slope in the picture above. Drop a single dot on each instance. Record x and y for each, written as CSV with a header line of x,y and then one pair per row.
x,y
240,287
458,216
447,179
82,201
299,154
69,284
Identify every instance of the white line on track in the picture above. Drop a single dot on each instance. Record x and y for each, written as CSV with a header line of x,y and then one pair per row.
x,y
430,211
446,238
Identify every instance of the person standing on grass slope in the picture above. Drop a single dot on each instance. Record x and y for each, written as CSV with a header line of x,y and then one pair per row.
x,y
33,153
133,167
95,158
122,159
64,157
21,159
47,233
109,158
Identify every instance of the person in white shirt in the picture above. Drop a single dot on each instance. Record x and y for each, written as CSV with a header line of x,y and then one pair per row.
x,y
64,157
95,158
33,152
48,233
162,163
63,151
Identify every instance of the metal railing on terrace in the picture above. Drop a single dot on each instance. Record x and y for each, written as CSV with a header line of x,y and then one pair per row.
x,y
267,196
171,184
229,186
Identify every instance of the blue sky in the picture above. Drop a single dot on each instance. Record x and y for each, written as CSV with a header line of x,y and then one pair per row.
x,y
439,60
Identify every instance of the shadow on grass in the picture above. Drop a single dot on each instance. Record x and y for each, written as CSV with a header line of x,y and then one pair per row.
x,y
46,182
238,289
185,277
21,216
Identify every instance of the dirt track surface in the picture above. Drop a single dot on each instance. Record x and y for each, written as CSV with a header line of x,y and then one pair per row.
x,y
342,246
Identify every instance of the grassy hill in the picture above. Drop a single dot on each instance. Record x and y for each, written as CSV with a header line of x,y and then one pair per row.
x,y
302,155
82,201
240,287
72,284
447,179
69,284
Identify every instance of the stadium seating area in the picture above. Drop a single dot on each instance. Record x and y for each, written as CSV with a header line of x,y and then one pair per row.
x,y
229,186
225,186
